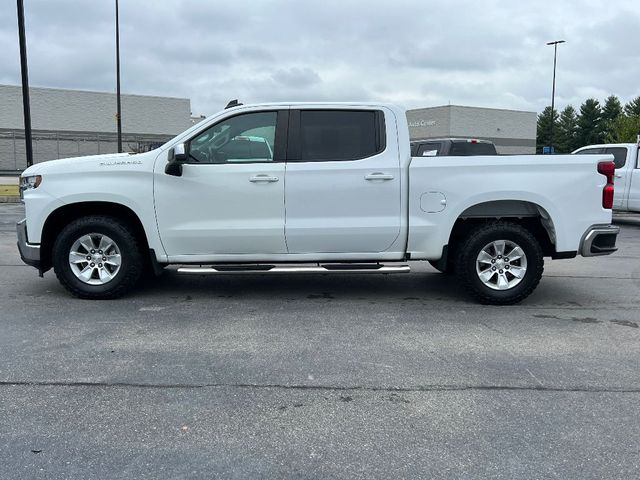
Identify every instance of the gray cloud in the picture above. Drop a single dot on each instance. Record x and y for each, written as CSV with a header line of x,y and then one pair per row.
x,y
416,53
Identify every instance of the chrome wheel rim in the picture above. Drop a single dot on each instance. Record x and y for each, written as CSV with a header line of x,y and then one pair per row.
x,y
95,259
501,264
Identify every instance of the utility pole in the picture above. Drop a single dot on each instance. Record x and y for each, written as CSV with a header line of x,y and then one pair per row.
x,y
119,114
553,90
25,84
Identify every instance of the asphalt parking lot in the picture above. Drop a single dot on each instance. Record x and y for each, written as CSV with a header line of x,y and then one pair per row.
x,y
322,377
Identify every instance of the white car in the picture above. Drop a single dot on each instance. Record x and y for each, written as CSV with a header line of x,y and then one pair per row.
x,y
330,188
627,175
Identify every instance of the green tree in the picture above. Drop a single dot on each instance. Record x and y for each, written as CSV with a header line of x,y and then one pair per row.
x,y
590,128
543,134
624,129
632,109
567,127
610,112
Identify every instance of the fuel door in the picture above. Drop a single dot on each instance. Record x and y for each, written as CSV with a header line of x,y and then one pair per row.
x,y
433,202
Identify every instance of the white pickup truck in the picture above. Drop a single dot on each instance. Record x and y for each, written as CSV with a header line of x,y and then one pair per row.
x,y
627,175
311,187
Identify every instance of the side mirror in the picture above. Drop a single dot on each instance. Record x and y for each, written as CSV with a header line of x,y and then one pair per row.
x,y
177,155
180,153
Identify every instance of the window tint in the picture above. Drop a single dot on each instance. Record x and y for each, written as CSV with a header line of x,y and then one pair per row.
x,y
244,138
619,155
429,149
469,148
329,135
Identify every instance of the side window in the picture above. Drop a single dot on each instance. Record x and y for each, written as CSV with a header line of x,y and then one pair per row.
x,y
248,137
619,155
429,149
334,135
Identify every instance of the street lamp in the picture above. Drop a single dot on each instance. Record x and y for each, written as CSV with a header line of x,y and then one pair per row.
x,y
553,90
119,114
25,84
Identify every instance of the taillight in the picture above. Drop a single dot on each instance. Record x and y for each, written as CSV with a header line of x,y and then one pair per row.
x,y
608,169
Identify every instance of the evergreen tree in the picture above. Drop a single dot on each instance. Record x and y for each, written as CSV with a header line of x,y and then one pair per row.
x,y
543,135
632,109
567,128
610,112
590,129
612,108
624,130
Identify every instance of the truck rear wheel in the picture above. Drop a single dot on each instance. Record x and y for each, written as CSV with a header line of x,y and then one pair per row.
x,y
97,257
500,263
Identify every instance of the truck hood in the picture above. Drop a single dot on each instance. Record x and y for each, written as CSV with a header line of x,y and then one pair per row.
x,y
79,164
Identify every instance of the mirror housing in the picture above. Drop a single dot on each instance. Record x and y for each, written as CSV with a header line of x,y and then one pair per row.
x,y
177,155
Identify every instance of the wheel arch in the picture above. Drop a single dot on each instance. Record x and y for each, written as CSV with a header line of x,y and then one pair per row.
x,y
66,214
529,214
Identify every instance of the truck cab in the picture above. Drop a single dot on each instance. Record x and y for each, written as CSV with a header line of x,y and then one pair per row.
x,y
627,173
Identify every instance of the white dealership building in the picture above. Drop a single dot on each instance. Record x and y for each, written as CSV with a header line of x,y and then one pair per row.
x,y
512,131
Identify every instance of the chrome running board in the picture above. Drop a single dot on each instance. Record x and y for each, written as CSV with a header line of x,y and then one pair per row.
x,y
328,268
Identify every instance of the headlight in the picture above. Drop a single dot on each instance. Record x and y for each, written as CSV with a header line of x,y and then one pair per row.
x,y
28,183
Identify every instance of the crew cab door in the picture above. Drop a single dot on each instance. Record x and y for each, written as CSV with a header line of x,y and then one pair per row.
x,y
622,175
634,180
342,181
620,181
229,199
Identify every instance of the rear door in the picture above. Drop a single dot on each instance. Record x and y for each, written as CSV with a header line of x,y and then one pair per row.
x,y
620,155
342,187
634,181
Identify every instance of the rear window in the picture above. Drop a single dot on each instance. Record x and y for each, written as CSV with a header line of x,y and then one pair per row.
x,y
619,155
334,135
468,148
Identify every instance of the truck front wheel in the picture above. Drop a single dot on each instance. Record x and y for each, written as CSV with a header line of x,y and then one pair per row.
x,y
500,263
97,257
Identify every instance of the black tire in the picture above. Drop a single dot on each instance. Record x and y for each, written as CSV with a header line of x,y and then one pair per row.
x,y
131,266
471,247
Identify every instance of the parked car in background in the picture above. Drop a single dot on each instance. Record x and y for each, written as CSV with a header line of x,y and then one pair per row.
x,y
627,174
452,147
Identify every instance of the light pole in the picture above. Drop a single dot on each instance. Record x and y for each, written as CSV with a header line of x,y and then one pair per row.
x,y
25,84
553,90
119,114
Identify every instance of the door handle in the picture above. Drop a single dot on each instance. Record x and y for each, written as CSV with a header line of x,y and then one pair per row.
x,y
618,175
263,178
378,176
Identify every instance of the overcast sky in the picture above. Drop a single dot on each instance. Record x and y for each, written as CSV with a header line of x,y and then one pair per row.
x,y
414,53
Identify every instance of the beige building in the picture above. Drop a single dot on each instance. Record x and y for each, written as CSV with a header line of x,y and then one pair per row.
x,y
69,123
512,131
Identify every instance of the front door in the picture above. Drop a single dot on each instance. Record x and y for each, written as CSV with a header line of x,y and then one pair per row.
x,y
342,182
230,197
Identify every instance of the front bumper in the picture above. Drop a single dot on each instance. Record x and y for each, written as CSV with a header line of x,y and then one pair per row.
x,y
599,240
29,253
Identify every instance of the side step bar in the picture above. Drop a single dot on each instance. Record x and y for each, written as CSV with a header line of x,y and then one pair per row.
x,y
329,268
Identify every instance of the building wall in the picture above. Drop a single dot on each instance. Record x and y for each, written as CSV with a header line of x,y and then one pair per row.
x,y
512,131
69,123
75,110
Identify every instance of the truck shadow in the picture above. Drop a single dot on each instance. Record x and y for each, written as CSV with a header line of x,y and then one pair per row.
x,y
381,288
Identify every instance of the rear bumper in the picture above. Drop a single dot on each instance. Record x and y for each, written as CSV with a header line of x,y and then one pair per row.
x,y
599,240
29,253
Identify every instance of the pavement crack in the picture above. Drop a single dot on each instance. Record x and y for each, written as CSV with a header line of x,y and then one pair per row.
x,y
339,388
